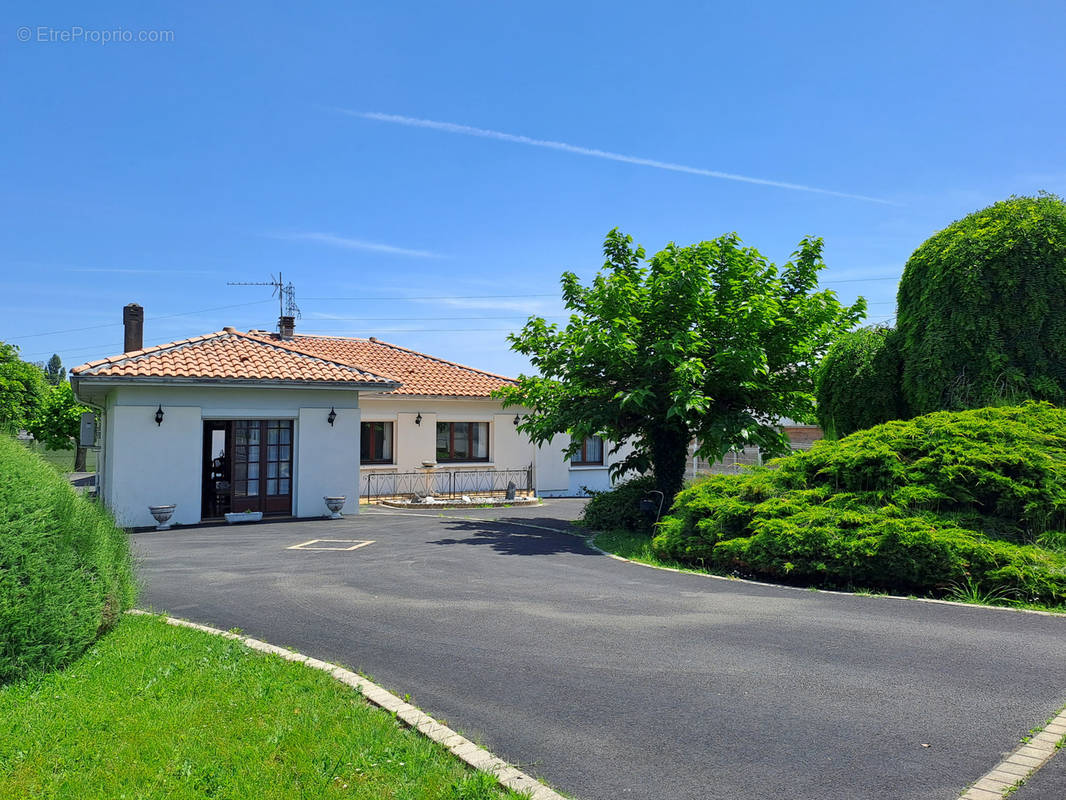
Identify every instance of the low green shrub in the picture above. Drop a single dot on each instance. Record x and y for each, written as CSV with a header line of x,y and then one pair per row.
x,y
619,508
974,498
65,569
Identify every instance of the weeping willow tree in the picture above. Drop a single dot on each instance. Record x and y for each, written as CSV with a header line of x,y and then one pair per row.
x,y
981,310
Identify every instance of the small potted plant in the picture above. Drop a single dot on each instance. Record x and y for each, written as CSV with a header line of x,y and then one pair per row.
x,y
247,515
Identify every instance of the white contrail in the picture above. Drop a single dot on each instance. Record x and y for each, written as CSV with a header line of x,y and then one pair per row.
x,y
484,133
355,244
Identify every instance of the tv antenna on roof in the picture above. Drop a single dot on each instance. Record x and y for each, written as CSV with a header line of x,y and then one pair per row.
x,y
285,292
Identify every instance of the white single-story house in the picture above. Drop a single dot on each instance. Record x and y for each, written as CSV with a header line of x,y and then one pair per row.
x,y
273,422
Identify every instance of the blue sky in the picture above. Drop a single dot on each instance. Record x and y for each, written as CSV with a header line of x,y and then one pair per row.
x,y
424,172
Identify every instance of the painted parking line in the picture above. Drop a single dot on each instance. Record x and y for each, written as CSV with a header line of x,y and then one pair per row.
x,y
355,544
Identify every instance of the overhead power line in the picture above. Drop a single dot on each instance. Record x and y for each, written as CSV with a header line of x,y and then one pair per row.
x,y
117,345
549,294
439,297
396,298
151,317
863,280
317,320
423,330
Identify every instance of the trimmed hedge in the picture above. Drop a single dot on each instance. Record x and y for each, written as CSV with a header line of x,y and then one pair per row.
x,y
619,508
857,384
935,503
65,569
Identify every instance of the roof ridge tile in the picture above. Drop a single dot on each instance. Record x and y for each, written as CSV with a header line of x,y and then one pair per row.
x,y
171,360
420,354
399,370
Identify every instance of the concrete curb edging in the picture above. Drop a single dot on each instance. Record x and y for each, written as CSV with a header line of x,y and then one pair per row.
x,y
474,755
1020,764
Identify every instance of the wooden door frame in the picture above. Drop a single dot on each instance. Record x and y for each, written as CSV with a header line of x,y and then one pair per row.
x,y
208,489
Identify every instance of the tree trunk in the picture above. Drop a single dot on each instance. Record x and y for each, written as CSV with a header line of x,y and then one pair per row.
x,y
79,459
669,454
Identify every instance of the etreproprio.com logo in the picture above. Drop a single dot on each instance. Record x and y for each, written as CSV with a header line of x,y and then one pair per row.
x,y
76,34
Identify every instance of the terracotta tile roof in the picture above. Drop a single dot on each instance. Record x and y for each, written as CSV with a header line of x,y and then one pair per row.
x,y
418,373
231,356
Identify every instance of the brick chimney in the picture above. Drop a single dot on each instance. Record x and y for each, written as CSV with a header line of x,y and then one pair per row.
x,y
133,323
287,327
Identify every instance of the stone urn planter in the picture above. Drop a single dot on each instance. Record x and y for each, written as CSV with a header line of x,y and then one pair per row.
x,y
234,517
162,516
427,480
335,504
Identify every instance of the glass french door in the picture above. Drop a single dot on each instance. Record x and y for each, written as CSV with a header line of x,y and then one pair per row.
x,y
278,462
248,466
262,465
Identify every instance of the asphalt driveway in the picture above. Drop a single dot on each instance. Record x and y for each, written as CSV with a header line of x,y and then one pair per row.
x,y
613,680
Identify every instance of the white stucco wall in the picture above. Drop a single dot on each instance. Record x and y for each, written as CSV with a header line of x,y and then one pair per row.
x,y
508,449
413,444
557,477
327,460
148,464
553,473
151,464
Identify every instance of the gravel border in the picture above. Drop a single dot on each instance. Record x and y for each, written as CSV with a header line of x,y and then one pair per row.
x,y
474,504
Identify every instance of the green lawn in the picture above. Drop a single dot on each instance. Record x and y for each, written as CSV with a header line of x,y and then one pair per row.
x,y
62,460
155,711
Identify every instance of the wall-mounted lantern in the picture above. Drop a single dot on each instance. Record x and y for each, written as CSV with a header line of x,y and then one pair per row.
x,y
516,420
418,419
159,415
332,416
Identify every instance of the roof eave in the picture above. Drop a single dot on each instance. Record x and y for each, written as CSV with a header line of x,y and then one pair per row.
x,y
127,380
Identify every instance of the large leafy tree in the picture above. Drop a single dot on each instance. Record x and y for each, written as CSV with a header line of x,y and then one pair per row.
x,y
709,342
58,421
22,390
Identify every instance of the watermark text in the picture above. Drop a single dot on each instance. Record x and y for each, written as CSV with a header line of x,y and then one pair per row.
x,y
76,34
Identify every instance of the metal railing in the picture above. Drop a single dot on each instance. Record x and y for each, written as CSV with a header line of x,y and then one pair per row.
x,y
449,483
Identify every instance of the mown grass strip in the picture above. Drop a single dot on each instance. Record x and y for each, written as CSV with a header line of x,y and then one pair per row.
x,y
62,460
156,711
